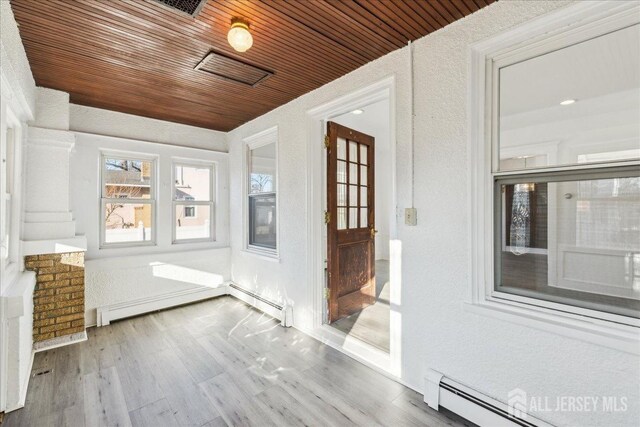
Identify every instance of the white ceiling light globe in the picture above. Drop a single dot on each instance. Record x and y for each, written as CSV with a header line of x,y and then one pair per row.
x,y
239,36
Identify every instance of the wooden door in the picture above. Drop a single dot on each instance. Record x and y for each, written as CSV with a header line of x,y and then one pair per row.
x,y
350,215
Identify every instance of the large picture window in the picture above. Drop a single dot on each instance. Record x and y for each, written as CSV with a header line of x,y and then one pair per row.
x,y
193,195
262,197
128,201
565,175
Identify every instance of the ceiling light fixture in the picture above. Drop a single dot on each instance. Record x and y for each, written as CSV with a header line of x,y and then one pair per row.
x,y
358,111
568,102
239,36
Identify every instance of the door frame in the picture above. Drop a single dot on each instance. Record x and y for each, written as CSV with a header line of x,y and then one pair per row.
x,y
314,324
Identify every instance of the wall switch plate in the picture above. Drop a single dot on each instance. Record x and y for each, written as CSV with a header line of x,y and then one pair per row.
x,y
411,216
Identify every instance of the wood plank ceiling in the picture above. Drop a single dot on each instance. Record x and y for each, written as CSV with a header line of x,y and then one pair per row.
x,y
138,56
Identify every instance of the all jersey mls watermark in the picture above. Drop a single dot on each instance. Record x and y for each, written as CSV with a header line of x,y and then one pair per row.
x,y
520,404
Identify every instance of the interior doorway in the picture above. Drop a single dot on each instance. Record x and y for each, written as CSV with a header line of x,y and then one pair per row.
x,y
359,198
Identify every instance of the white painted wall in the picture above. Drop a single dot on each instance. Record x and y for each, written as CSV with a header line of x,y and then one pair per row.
x,y
116,275
374,121
14,63
112,123
17,106
490,355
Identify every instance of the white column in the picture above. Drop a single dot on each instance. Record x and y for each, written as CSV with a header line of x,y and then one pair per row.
x,y
48,223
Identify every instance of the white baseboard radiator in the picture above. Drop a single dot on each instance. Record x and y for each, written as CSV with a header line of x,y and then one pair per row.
x,y
480,409
280,312
108,313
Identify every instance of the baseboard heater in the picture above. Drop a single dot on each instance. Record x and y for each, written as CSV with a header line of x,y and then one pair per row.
x,y
472,405
111,312
282,313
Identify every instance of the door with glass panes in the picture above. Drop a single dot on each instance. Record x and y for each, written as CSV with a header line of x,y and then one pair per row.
x,y
350,216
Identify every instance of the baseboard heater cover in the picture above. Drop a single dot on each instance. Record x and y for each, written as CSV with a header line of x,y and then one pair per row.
x,y
280,312
472,405
108,313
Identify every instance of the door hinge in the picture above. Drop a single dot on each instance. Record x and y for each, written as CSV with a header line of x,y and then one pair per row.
x,y
327,144
327,217
327,293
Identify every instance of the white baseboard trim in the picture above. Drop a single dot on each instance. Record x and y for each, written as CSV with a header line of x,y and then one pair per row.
x,y
108,313
59,341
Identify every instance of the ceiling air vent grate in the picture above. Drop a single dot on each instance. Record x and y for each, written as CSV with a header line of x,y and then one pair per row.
x,y
190,7
233,70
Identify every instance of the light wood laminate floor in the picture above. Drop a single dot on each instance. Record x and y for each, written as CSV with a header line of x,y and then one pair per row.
x,y
214,363
371,324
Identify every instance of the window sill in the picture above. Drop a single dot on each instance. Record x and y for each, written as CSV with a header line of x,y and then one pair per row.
x,y
126,245
595,331
264,255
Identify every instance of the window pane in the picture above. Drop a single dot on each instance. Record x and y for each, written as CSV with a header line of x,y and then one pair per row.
x,y
575,242
262,221
193,222
353,195
192,183
572,106
353,173
363,175
342,195
128,222
342,171
342,218
363,196
353,151
127,179
262,175
353,217
363,154
364,218
342,149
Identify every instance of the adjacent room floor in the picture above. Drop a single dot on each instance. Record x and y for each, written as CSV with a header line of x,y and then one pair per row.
x,y
213,363
371,325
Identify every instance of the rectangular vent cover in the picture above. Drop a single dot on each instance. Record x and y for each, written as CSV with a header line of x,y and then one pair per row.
x,y
234,70
190,7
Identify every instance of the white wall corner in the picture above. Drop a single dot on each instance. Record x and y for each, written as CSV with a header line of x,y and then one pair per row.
x,y
432,388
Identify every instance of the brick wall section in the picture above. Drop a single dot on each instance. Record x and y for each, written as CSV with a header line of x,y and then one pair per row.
x,y
58,300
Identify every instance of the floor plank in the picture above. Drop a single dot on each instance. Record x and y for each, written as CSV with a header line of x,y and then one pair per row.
x,y
154,414
216,363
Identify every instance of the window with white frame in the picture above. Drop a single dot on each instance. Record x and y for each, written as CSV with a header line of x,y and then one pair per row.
x,y
193,202
128,201
261,193
565,174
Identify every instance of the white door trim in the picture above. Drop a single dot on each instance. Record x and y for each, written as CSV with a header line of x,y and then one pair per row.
x,y
316,242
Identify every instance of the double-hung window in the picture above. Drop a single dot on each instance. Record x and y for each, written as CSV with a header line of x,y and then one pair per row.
x,y
561,205
128,201
193,195
261,193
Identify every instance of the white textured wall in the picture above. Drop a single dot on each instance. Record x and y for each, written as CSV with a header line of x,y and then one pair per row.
x,y
52,109
112,123
13,61
121,279
106,282
490,355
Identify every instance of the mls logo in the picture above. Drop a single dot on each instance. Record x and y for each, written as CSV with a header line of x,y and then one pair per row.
x,y
517,403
